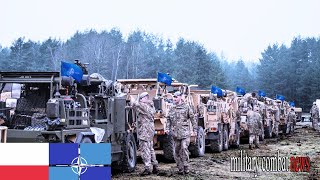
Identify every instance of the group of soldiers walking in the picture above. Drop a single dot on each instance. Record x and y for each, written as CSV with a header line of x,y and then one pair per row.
x,y
179,118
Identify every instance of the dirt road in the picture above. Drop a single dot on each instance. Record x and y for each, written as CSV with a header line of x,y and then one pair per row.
x,y
304,142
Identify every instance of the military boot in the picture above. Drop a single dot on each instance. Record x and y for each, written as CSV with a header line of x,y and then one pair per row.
x,y
155,169
145,172
186,170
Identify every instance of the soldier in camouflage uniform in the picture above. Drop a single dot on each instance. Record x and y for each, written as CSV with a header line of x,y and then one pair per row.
x,y
315,116
291,118
276,111
145,109
179,118
254,126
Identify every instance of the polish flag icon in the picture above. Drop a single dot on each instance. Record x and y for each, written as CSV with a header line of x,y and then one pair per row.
x,y
24,161
56,161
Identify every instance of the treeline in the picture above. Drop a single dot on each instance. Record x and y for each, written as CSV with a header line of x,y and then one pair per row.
x,y
290,71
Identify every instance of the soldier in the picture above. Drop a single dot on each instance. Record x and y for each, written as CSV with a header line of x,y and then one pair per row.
x,y
145,108
254,126
276,112
315,115
291,118
179,118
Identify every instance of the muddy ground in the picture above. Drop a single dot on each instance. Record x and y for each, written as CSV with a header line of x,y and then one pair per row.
x,y
304,142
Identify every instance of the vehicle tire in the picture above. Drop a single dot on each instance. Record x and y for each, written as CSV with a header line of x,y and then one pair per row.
x,y
85,140
168,148
129,149
217,145
225,138
276,134
268,131
261,136
198,149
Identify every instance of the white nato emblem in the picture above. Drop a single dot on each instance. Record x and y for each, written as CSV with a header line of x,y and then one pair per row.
x,y
79,165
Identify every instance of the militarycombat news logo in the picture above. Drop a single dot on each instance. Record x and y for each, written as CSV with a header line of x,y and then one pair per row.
x,y
80,161
275,163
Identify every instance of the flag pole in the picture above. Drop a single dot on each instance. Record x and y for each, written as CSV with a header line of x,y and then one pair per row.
x,y
158,86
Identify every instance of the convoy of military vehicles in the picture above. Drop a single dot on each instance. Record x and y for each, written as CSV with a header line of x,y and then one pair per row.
x,y
48,107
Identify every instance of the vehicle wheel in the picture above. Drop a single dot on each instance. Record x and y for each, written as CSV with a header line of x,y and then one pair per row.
x,y
225,138
198,149
268,131
261,136
168,148
85,140
129,149
217,145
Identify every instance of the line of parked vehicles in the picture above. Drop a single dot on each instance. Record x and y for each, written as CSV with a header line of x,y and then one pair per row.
x,y
48,107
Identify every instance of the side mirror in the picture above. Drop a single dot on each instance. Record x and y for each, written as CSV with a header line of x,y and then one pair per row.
x,y
12,103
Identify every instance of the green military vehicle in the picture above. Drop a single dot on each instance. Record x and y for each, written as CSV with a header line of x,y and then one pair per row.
x,y
48,107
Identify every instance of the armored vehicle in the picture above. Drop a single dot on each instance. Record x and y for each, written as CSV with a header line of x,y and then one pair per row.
x,y
48,107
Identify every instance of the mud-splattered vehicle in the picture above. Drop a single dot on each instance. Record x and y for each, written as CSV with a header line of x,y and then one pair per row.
x,y
218,119
48,107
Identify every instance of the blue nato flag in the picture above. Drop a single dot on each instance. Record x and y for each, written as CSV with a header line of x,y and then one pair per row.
x,y
216,90
164,78
262,93
292,104
71,70
280,97
240,90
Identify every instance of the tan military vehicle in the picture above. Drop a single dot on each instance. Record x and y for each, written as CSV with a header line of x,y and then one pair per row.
x,y
249,99
217,116
298,112
284,110
162,96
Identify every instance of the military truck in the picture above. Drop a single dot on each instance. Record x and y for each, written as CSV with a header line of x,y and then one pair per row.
x,y
298,112
48,107
162,96
284,110
217,117
249,99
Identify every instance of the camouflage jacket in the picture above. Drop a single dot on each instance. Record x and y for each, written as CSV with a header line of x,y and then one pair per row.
x,y
276,112
314,111
291,117
254,122
146,113
179,118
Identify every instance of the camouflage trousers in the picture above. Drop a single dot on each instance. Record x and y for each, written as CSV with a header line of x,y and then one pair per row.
x,y
315,125
254,138
276,127
147,154
182,153
290,127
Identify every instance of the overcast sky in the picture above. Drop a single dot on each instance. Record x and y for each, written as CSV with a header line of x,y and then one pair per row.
x,y
238,28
